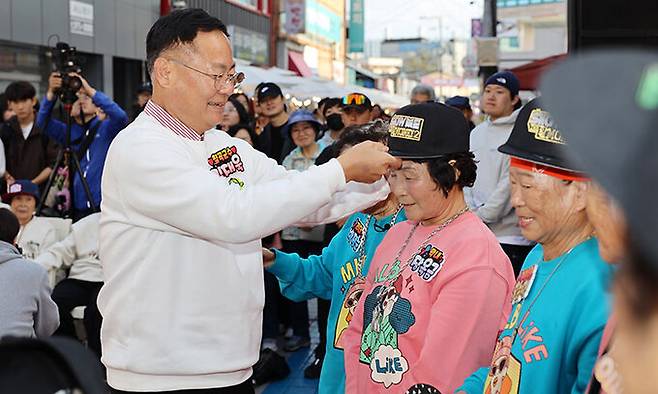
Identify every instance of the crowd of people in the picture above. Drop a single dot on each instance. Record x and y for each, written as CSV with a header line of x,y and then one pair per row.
x,y
511,256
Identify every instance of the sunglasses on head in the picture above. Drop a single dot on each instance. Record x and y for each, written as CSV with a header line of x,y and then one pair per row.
x,y
354,99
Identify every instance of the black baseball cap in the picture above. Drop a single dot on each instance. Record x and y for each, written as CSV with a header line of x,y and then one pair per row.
x,y
427,131
358,101
268,89
536,138
610,119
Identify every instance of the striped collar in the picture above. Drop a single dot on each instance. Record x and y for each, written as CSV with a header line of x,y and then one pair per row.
x,y
170,122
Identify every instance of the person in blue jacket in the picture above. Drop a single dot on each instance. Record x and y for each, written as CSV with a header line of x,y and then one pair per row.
x,y
91,136
339,272
560,303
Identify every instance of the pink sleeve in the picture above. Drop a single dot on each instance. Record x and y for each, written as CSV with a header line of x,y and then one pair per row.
x,y
464,323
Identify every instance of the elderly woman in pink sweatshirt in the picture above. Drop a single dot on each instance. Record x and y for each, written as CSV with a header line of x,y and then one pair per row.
x,y
439,287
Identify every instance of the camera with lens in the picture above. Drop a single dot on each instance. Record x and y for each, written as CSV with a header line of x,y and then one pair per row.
x,y
65,62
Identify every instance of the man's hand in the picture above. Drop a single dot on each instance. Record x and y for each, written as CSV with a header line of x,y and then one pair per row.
x,y
54,83
367,162
89,91
268,258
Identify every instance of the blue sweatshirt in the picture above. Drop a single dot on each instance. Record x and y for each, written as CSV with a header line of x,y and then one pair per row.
x,y
556,346
335,275
94,159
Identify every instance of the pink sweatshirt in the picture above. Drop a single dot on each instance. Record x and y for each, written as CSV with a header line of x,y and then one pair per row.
x,y
439,321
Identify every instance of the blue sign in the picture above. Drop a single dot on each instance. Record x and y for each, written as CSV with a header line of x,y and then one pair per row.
x,y
322,22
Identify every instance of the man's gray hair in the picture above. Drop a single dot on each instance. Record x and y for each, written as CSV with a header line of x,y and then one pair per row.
x,y
423,89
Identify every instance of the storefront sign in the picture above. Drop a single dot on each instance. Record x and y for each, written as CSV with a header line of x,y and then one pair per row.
x,y
81,16
249,45
295,16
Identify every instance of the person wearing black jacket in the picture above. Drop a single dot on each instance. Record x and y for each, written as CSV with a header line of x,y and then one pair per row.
x,y
274,140
29,152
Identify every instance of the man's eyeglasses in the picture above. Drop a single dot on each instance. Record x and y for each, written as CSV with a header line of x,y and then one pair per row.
x,y
221,80
354,99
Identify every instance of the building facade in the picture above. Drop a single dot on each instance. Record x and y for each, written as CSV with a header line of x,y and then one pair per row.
x,y
312,43
530,30
110,38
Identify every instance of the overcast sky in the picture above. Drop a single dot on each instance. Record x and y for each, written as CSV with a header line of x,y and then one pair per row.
x,y
402,18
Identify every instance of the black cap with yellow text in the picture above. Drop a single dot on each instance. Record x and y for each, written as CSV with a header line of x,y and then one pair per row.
x,y
427,130
536,138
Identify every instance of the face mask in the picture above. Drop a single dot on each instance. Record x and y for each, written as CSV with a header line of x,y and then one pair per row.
x,y
335,122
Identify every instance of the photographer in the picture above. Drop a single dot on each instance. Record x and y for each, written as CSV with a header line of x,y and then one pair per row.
x,y
90,136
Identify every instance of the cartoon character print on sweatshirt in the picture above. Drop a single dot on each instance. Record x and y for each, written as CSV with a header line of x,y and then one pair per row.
x,y
524,284
505,370
356,234
347,309
386,316
226,161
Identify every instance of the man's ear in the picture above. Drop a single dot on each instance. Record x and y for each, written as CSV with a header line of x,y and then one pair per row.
x,y
162,72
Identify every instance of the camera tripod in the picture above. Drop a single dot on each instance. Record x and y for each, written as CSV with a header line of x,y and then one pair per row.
x,y
66,157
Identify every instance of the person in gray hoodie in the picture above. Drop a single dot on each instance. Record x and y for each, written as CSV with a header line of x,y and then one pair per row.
x,y
489,198
26,309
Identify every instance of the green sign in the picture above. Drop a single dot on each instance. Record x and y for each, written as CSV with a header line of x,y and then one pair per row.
x,y
647,94
356,35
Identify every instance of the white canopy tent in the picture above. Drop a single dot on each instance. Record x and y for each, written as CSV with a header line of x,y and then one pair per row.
x,y
312,88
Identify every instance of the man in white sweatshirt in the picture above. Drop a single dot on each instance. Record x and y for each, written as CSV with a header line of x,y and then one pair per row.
x,y
183,212
489,197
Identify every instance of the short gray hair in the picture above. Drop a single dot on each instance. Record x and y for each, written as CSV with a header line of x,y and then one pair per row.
x,y
423,89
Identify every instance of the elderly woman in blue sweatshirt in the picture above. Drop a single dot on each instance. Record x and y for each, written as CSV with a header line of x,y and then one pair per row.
x,y
560,303
339,272
89,133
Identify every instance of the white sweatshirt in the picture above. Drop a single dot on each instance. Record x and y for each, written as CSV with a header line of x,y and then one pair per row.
x,y
490,196
79,251
181,253
35,237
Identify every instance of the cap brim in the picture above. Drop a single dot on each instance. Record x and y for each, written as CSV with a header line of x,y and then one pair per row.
x,y
363,107
404,155
533,157
7,197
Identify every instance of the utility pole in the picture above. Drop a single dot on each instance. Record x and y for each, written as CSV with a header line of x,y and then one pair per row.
x,y
489,26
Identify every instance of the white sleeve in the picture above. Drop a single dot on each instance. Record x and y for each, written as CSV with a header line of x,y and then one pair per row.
x,y
163,189
354,197
58,254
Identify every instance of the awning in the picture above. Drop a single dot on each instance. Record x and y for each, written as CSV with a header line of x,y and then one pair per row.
x,y
297,64
529,74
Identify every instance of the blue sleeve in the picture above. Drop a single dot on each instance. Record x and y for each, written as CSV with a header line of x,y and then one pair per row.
x,y
474,384
302,279
117,118
55,129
